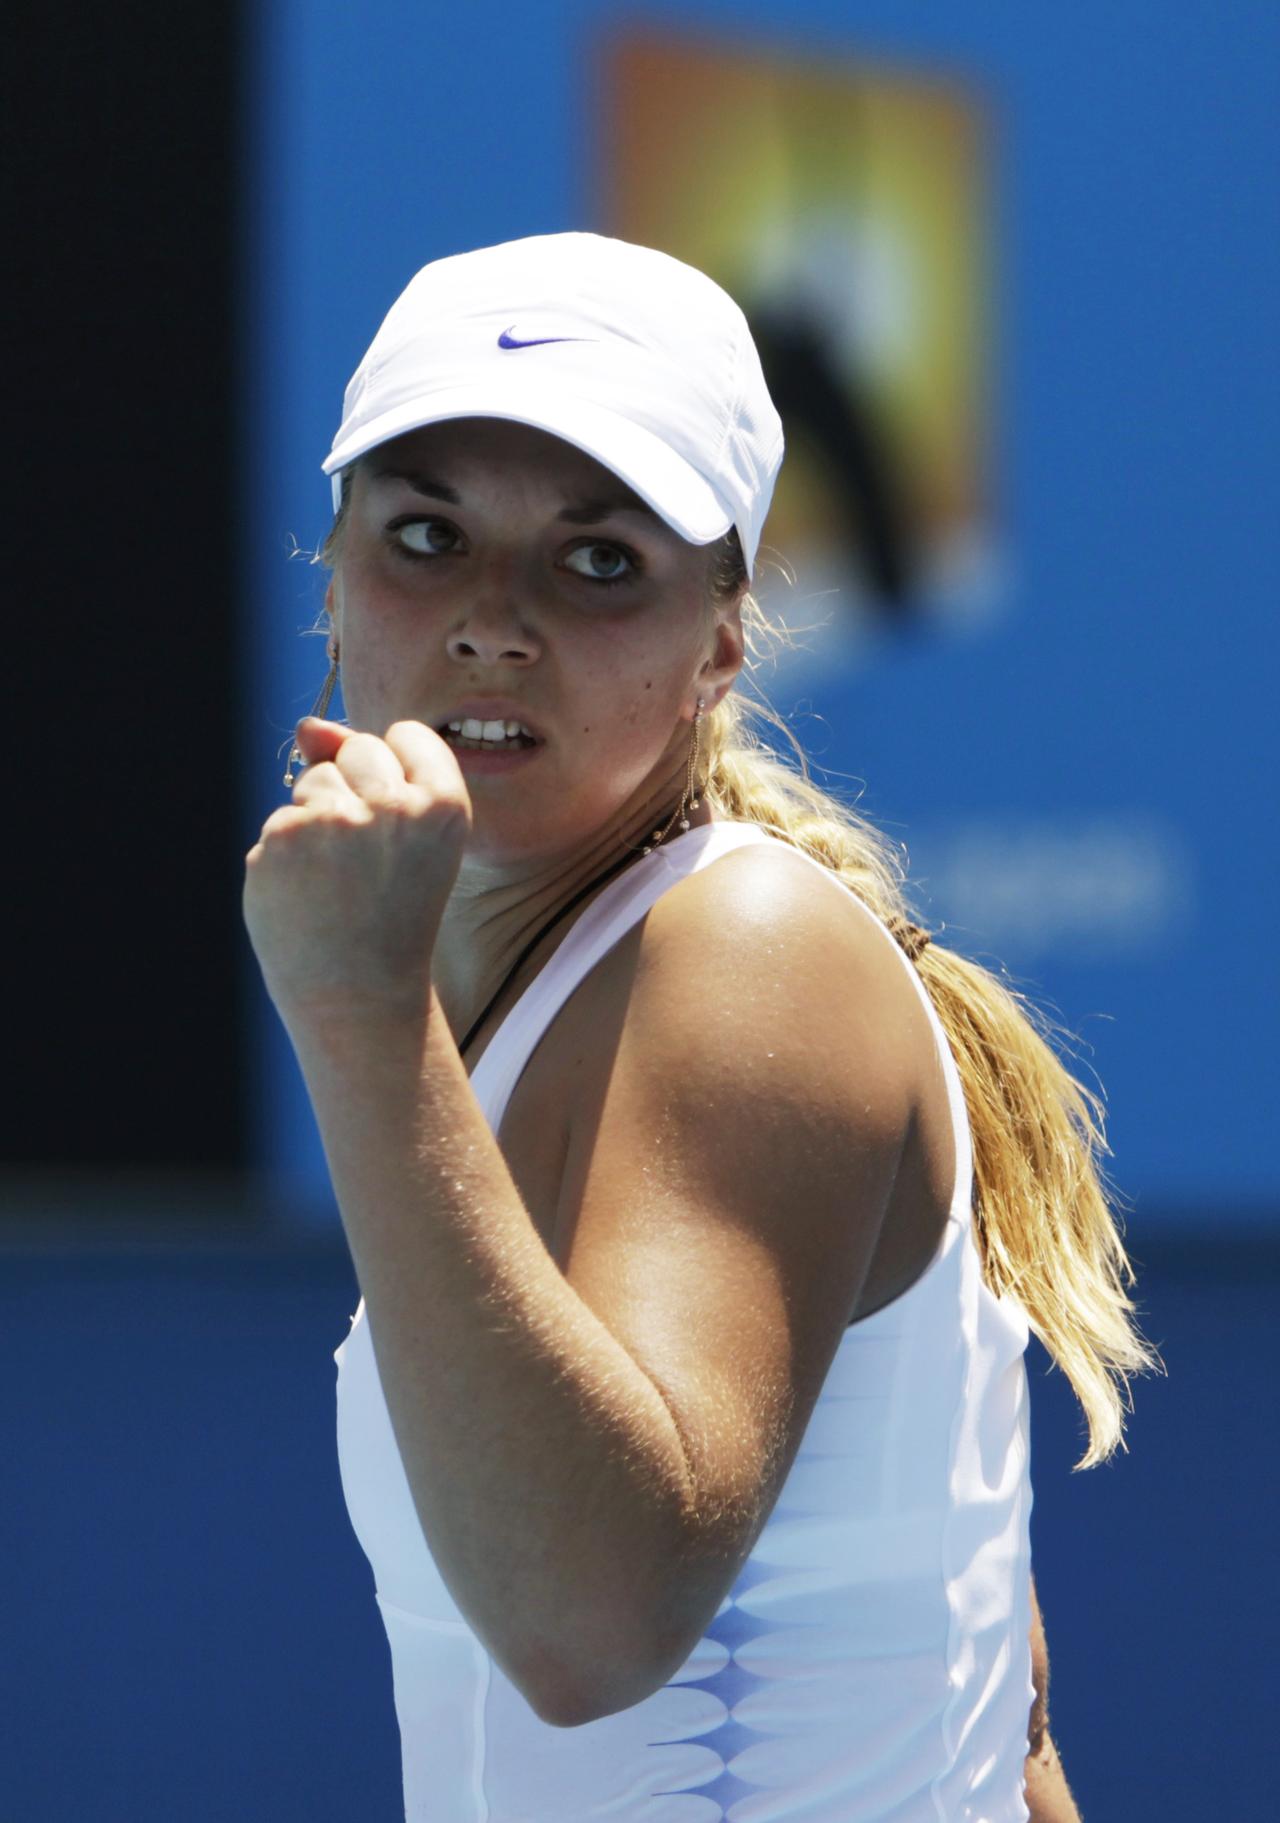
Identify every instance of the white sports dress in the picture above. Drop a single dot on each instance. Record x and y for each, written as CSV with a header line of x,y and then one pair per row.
x,y
872,1662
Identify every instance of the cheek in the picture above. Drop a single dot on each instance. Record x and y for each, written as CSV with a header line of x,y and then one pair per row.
x,y
378,634
626,682
630,710
369,591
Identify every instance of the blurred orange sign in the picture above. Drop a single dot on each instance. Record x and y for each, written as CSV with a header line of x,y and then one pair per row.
x,y
846,206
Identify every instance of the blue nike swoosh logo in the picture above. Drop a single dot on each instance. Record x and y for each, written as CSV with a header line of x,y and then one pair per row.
x,y
507,340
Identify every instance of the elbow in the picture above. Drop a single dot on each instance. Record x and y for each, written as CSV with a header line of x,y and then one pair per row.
x,y
573,1702
623,1641
574,1709
562,1711
565,1694
584,1688
639,1655
564,1703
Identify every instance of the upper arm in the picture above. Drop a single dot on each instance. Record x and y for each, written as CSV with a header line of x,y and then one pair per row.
x,y
1045,1788
1038,1722
726,1181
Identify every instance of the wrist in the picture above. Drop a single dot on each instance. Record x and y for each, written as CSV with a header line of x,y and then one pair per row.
x,y
342,1023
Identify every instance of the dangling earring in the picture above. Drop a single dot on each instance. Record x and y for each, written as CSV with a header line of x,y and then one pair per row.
x,y
689,793
321,704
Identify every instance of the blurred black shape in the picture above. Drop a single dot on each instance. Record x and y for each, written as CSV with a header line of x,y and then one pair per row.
x,y
838,419
120,849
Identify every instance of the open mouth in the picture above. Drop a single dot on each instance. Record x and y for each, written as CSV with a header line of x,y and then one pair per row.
x,y
508,743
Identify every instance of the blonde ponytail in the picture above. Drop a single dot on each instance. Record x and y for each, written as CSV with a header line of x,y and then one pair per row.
x,y
1046,1232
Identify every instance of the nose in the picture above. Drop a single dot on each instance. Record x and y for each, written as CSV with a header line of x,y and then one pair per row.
x,y
489,628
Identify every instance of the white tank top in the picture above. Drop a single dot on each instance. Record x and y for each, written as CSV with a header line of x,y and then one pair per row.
x,y
872,1662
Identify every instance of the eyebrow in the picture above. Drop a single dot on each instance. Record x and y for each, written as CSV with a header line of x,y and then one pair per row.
x,y
585,512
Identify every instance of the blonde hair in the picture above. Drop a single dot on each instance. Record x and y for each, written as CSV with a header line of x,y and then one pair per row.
x,y
1045,1229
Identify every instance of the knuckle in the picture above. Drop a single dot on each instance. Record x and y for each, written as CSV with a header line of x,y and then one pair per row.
x,y
451,807
323,773
348,814
285,817
359,742
388,803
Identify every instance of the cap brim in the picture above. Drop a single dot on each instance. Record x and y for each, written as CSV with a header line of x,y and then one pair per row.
x,y
649,466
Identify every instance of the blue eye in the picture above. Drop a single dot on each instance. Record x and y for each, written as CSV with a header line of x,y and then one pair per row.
x,y
418,536
612,553
424,538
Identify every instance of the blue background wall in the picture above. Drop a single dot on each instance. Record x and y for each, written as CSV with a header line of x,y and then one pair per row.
x,y
1081,778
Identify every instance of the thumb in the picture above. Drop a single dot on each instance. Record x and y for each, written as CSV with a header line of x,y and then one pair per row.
x,y
319,740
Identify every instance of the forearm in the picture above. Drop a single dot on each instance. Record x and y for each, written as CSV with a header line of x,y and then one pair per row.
x,y
544,1465
1048,1795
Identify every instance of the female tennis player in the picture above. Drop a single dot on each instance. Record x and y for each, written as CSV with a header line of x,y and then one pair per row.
x,y
701,1206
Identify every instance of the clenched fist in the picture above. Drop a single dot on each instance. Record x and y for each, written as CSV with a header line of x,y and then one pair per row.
x,y
346,886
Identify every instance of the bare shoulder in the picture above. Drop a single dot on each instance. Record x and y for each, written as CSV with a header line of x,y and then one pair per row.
x,y
763,931
732,1154
778,973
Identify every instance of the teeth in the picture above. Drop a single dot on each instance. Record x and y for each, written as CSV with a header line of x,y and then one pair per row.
x,y
476,730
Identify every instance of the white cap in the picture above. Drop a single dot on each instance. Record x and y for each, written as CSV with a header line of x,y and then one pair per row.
x,y
631,355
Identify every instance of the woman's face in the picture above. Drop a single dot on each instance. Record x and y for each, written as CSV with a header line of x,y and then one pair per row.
x,y
482,558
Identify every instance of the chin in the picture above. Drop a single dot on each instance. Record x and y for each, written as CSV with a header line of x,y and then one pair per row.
x,y
498,834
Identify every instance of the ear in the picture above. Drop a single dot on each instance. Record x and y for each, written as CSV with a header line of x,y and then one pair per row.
x,y
729,647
